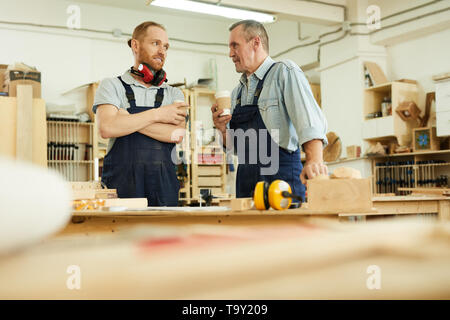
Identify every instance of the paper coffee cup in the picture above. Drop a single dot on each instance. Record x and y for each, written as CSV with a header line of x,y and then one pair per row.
x,y
184,108
223,100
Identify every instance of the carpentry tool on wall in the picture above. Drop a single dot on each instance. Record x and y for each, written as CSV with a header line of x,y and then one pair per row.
x,y
277,195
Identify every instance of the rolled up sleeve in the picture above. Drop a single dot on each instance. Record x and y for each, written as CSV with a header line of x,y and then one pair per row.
x,y
106,93
303,110
176,94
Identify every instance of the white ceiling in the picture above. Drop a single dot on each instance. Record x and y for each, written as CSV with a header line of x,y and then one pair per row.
x,y
140,5
300,10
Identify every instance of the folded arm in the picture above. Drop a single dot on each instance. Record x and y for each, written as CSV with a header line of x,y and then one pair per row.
x,y
162,131
114,122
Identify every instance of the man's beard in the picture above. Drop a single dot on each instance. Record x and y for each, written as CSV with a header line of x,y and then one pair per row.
x,y
144,57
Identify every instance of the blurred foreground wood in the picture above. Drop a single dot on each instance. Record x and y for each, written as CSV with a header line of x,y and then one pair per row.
x,y
311,260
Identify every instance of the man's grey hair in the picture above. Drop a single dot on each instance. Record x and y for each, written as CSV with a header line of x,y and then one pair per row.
x,y
252,29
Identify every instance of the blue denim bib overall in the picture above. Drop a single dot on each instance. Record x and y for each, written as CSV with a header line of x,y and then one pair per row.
x,y
248,174
139,166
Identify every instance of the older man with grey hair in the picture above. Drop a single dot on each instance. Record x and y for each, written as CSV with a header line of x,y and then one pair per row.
x,y
271,97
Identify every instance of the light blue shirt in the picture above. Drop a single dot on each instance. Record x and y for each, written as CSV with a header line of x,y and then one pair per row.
x,y
286,103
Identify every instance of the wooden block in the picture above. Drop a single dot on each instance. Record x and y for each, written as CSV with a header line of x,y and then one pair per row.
x,y
83,194
346,173
127,202
425,139
24,125
408,110
209,170
353,152
241,204
106,194
85,185
340,195
321,177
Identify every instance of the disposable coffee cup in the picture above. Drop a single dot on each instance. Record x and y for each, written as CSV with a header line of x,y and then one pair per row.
x,y
184,108
223,100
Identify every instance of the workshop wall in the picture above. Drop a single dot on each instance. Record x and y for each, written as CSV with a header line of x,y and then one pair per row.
x,y
69,58
427,56
414,50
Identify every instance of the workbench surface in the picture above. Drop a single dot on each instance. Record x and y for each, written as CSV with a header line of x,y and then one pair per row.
x,y
308,260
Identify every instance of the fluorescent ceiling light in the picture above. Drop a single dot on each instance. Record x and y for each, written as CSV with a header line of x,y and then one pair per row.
x,y
212,9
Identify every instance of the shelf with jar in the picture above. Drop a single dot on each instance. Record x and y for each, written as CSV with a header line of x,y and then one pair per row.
x,y
380,119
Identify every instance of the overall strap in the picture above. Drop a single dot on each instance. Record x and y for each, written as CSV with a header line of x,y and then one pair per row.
x,y
159,97
260,86
257,91
129,93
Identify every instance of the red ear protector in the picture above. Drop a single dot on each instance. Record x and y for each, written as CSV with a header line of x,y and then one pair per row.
x,y
277,195
154,78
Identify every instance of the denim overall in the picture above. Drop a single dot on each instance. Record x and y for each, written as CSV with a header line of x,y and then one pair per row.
x,y
290,166
139,166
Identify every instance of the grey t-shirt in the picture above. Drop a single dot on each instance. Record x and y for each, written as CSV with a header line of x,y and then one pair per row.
x,y
111,91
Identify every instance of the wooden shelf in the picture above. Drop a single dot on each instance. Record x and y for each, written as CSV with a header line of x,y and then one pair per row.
x,y
411,154
75,123
389,175
392,126
386,87
71,161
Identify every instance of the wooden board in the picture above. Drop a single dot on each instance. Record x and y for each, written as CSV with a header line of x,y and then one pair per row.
x,y
127,202
209,170
83,194
315,88
377,75
436,191
209,181
85,185
24,124
441,76
8,129
340,195
106,194
288,262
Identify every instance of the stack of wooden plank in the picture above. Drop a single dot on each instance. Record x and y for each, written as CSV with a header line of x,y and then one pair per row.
x,y
91,196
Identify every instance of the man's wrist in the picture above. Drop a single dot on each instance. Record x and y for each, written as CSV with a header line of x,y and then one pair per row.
x,y
318,161
155,116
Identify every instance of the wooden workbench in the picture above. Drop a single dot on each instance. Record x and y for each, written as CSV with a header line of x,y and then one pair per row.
x,y
320,260
89,223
